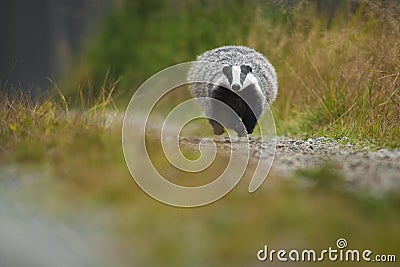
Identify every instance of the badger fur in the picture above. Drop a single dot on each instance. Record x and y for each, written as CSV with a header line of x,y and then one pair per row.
x,y
238,76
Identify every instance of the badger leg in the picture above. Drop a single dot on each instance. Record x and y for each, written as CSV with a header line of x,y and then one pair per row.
x,y
229,120
240,130
249,121
251,109
217,127
226,111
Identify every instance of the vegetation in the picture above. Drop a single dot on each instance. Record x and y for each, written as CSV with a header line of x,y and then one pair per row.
x,y
24,119
344,79
71,166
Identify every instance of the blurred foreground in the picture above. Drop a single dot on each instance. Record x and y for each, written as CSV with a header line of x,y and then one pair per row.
x,y
79,183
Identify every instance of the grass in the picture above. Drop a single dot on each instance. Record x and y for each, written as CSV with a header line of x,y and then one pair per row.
x,y
341,81
74,171
50,116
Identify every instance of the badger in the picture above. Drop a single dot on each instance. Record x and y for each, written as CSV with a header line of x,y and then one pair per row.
x,y
238,76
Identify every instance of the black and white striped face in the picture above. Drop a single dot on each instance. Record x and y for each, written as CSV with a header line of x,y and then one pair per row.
x,y
238,77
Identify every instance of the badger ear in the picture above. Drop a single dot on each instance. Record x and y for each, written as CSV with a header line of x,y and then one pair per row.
x,y
245,69
226,70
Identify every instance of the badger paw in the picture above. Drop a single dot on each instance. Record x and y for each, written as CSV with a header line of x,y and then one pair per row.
x,y
218,128
240,130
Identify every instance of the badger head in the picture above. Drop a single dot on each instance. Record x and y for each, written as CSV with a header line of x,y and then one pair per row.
x,y
237,78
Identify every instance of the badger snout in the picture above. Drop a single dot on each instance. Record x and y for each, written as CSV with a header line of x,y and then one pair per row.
x,y
236,87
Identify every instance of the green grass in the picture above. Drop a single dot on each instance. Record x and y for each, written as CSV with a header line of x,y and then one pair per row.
x,y
75,169
76,166
24,119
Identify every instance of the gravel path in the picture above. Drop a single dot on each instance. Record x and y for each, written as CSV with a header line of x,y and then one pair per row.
x,y
377,171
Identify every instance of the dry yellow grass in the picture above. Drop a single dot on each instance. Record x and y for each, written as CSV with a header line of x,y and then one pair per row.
x,y
337,81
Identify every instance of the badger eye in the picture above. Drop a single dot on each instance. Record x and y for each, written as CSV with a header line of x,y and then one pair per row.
x,y
226,70
246,69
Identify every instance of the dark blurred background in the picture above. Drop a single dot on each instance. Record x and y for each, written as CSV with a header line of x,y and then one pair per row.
x,y
40,38
87,39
